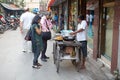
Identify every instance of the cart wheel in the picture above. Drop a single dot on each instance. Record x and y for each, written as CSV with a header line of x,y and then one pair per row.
x,y
58,65
74,62
54,52
58,61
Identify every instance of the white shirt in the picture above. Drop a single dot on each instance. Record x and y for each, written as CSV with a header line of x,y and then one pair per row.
x,y
87,17
82,36
91,17
26,18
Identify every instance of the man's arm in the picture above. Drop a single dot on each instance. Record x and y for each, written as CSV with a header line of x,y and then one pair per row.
x,y
77,31
21,26
83,24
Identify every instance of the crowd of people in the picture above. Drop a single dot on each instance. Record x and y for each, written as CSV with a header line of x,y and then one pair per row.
x,y
39,24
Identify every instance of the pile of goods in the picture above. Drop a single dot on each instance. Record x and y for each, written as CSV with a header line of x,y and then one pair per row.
x,y
70,51
58,38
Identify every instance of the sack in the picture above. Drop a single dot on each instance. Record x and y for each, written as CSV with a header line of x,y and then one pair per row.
x,y
46,35
28,35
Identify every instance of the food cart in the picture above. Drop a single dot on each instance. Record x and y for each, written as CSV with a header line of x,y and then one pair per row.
x,y
66,49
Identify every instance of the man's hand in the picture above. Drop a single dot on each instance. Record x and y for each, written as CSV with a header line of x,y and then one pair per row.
x,y
73,33
21,31
21,26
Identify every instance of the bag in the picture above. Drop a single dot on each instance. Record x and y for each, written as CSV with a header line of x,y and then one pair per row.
x,y
28,35
46,35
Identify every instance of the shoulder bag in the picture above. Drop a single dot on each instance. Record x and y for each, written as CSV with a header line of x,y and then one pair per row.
x,y
28,35
46,35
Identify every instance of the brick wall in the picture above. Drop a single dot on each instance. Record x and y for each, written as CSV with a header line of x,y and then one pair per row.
x,y
115,36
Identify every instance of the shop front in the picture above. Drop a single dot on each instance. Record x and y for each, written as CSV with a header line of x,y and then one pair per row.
x,y
107,27
90,20
108,31
73,13
60,7
65,13
105,32
70,9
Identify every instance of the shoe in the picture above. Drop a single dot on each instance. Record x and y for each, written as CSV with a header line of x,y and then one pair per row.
x,y
46,57
43,59
36,66
29,51
24,51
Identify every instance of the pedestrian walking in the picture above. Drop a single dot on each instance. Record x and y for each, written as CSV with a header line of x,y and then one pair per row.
x,y
25,23
81,36
46,26
56,20
61,22
37,44
91,18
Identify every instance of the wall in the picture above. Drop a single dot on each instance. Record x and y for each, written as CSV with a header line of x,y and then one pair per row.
x,y
36,4
95,31
119,49
32,3
115,48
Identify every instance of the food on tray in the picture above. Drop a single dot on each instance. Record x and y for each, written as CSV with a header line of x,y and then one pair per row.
x,y
58,38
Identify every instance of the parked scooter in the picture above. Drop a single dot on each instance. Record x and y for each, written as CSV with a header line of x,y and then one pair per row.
x,y
1,29
13,22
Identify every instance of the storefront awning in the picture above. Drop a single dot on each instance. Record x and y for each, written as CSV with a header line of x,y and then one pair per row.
x,y
57,2
54,3
50,2
8,7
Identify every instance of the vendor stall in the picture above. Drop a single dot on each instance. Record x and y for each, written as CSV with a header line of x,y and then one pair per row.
x,y
66,47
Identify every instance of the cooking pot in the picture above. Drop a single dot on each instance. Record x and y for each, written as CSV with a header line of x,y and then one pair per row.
x,y
66,32
66,35
69,38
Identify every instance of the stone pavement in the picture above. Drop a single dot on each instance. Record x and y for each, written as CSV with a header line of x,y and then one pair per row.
x,y
16,65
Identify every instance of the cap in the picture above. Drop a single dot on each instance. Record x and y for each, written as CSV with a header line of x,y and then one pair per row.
x,y
35,10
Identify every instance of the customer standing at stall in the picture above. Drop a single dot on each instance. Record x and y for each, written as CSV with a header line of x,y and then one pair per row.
x,y
46,26
56,20
61,22
25,23
81,36
37,43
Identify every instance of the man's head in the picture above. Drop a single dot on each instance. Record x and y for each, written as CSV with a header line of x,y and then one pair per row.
x,y
80,18
48,16
26,9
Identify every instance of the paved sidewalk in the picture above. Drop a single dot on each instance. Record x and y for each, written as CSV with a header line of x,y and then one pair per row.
x,y
16,65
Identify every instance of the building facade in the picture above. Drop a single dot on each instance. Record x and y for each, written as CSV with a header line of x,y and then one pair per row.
x,y
104,34
40,4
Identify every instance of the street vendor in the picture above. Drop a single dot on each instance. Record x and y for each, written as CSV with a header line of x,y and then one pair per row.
x,y
81,36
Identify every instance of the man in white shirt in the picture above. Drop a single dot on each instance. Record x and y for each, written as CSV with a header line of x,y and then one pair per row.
x,y
87,18
25,23
81,36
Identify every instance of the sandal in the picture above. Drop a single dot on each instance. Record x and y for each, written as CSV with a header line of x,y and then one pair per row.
x,y
36,66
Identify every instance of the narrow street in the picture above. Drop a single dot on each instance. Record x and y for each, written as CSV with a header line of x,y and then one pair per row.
x,y
16,65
